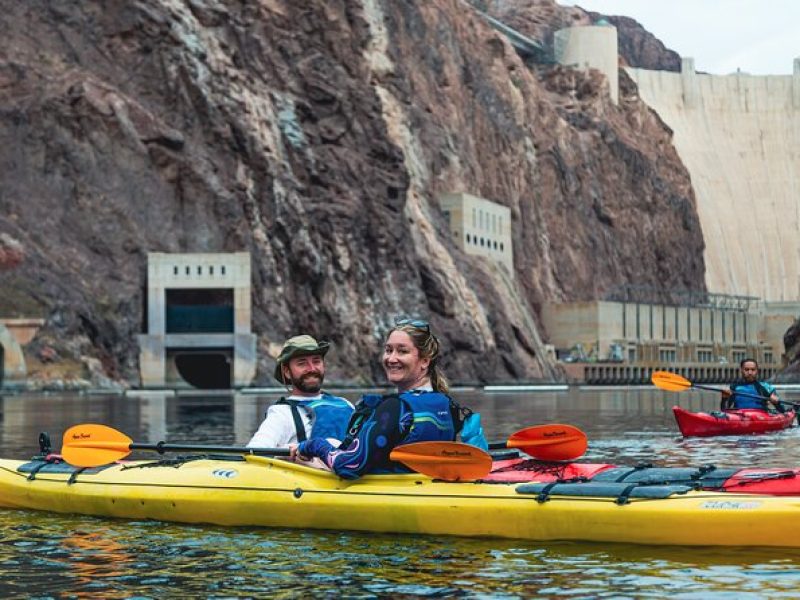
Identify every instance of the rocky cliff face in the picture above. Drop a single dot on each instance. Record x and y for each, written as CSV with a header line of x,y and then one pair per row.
x,y
317,136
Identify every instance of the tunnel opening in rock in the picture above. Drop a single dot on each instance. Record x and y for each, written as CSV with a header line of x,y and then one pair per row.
x,y
205,369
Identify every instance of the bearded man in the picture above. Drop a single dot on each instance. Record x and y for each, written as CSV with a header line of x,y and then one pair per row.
x,y
307,412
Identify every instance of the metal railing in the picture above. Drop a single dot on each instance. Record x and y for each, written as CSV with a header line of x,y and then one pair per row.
x,y
643,294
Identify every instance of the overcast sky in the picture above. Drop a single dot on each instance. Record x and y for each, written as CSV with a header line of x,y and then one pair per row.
x,y
761,37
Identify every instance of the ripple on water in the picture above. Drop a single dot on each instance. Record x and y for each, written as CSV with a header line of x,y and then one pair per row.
x,y
118,559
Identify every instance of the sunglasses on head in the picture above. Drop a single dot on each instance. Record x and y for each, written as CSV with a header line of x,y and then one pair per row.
x,y
418,323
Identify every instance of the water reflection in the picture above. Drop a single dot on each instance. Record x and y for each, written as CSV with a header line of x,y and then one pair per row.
x,y
117,559
44,555
94,558
623,425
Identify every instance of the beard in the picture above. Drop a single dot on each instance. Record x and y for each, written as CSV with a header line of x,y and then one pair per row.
x,y
310,383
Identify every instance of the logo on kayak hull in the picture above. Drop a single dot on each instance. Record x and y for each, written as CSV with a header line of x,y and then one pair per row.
x,y
225,473
730,505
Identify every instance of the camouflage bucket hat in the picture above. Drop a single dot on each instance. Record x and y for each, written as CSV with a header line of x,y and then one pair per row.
x,y
299,345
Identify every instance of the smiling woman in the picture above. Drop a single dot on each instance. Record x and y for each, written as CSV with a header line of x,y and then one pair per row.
x,y
410,357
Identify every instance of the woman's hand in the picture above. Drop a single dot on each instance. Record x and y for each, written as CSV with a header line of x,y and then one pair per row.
x,y
295,455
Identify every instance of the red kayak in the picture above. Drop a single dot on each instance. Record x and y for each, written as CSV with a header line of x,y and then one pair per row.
x,y
772,481
730,422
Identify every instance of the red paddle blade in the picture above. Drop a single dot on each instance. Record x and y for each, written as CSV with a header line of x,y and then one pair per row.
x,y
451,461
550,442
671,382
91,445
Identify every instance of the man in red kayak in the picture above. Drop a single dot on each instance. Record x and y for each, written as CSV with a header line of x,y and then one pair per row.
x,y
740,395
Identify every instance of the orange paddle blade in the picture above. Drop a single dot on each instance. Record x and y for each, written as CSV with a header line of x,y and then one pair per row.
x,y
451,461
550,442
671,382
91,445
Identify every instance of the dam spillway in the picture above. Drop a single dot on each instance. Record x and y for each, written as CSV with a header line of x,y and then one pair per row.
x,y
739,137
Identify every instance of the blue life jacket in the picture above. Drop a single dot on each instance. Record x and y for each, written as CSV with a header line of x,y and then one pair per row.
x,y
757,389
432,419
472,432
384,422
331,416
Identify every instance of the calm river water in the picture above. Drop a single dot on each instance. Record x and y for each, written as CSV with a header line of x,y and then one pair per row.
x,y
51,556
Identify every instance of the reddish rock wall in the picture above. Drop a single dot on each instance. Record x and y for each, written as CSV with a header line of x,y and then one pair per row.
x,y
316,135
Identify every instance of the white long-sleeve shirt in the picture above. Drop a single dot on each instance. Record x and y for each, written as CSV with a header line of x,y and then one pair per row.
x,y
277,430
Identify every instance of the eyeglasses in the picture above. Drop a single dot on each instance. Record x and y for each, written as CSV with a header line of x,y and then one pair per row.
x,y
418,323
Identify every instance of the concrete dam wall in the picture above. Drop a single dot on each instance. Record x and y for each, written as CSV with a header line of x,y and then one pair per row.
x,y
739,137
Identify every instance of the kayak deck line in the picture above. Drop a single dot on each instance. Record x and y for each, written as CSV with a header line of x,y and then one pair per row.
x,y
521,489
520,470
505,471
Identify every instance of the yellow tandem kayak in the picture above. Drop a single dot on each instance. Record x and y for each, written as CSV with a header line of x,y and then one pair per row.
x,y
268,492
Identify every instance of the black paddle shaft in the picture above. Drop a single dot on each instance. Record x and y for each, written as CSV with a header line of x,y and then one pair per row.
x,y
162,447
713,389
